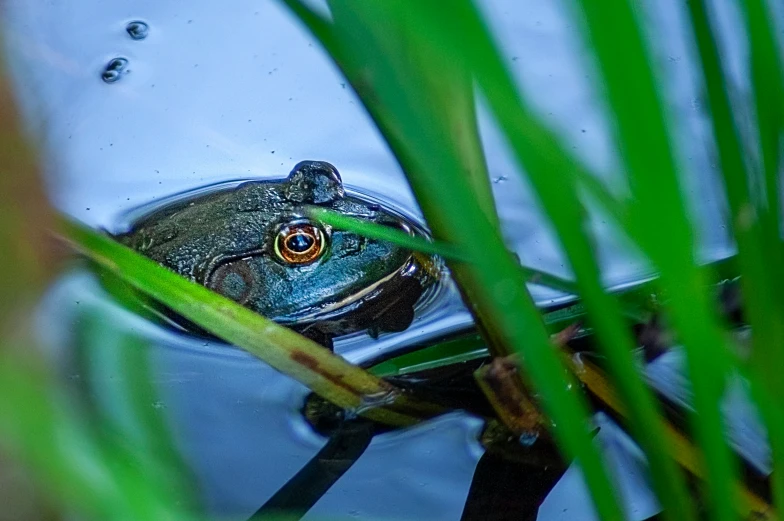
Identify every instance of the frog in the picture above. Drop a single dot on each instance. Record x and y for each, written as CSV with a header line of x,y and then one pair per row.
x,y
255,244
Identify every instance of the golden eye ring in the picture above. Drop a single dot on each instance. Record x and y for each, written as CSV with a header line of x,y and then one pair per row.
x,y
300,243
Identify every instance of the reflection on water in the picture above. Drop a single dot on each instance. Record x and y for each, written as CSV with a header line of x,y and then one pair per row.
x,y
238,425
138,101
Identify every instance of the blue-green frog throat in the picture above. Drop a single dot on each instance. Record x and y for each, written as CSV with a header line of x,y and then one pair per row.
x,y
254,243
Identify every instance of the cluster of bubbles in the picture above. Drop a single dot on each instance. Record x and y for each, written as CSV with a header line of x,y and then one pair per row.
x,y
118,66
114,69
137,30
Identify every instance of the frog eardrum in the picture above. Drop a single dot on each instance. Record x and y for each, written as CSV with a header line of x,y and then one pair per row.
x,y
254,244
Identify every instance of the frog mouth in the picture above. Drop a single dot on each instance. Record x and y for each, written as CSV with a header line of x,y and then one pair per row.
x,y
339,308
406,292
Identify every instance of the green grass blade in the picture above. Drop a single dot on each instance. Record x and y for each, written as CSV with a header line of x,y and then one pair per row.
x,y
759,253
461,123
385,233
755,220
768,88
290,353
767,77
665,232
464,348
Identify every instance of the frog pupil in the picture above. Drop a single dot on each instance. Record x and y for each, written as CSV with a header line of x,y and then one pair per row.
x,y
299,243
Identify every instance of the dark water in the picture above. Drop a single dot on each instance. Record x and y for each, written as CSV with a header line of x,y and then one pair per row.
x,y
135,101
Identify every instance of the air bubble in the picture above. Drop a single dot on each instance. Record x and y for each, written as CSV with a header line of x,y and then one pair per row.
x,y
114,69
137,30
110,76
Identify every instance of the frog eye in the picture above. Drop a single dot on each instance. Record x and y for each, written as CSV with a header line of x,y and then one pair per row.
x,y
300,243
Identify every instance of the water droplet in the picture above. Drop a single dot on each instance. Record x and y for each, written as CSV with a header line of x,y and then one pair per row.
x,y
114,69
137,30
528,438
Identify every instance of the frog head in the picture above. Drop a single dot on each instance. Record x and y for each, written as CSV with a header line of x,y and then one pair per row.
x,y
255,244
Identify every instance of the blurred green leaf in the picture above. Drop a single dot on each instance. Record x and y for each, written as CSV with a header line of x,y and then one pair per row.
x,y
754,219
126,407
767,78
90,473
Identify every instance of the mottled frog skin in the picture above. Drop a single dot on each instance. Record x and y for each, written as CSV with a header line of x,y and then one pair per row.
x,y
254,244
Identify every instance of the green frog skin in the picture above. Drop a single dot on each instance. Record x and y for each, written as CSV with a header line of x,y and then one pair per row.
x,y
254,244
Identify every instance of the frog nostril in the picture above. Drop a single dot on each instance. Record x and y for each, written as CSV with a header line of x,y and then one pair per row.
x,y
314,182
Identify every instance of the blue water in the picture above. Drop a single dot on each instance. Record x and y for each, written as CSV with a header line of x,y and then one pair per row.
x,y
206,92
